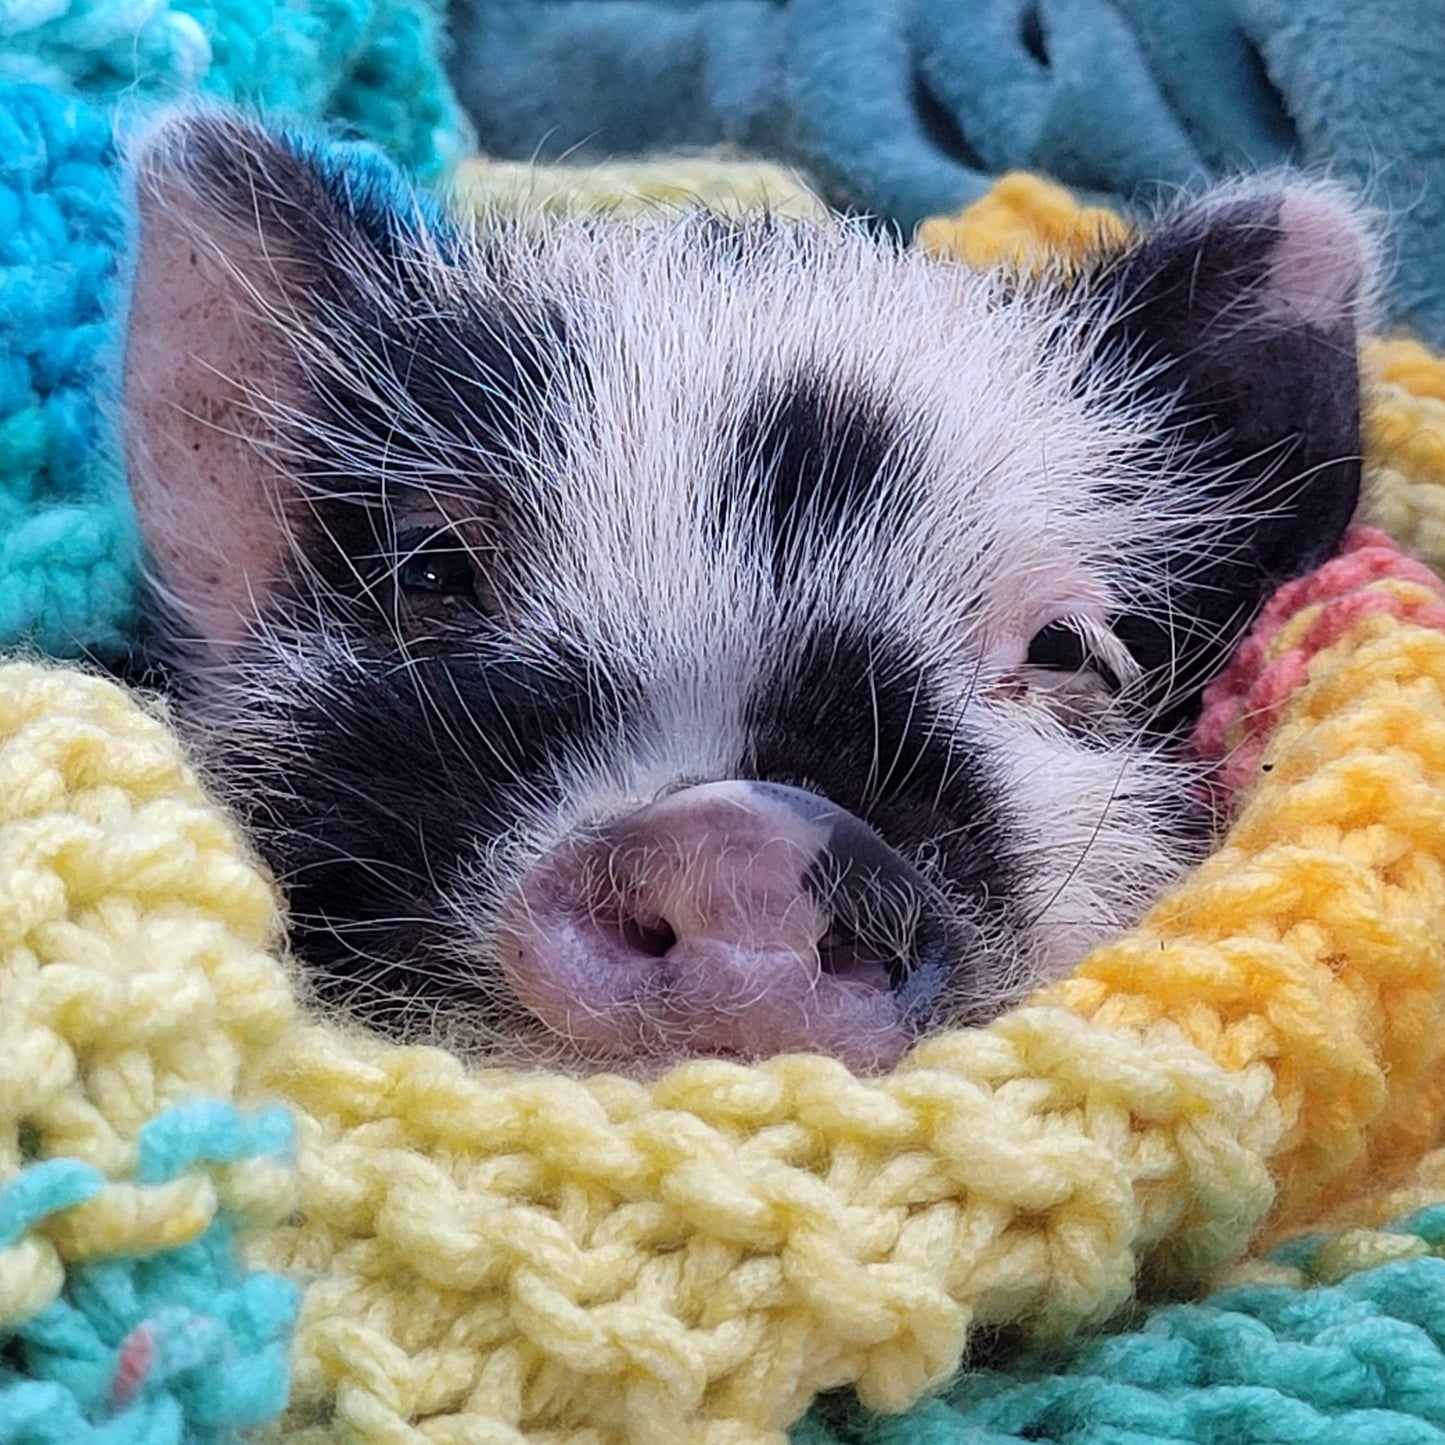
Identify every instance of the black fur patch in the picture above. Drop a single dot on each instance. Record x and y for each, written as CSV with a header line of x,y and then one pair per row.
x,y
483,380
819,459
1273,406
478,373
853,718
311,203
387,787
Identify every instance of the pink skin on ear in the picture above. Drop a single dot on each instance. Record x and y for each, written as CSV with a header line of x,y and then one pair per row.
x,y
1318,264
199,358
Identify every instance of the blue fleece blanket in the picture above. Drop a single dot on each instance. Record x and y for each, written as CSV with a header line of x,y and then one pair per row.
x,y
907,108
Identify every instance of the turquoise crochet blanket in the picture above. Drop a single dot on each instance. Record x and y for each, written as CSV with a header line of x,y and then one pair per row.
x,y
906,108
69,76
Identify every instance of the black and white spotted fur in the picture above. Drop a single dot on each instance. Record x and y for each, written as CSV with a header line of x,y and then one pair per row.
x,y
462,544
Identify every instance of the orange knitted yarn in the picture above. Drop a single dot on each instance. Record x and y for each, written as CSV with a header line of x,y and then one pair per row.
x,y
1242,705
1310,941
1022,220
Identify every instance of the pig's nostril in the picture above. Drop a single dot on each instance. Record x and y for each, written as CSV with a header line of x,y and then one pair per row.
x,y
653,937
844,954
739,919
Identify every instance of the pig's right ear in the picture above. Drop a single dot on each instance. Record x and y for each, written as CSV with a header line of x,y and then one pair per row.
x,y
243,242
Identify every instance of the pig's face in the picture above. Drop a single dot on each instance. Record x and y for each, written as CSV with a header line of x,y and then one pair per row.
x,y
663,639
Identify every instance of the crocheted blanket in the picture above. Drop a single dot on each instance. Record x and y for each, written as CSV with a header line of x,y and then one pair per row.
x,y
490,1256
457,1254
909,108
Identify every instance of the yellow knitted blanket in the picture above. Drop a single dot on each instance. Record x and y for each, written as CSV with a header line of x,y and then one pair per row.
x,y
493,1257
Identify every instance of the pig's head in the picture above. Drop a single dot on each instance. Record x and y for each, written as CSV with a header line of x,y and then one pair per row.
x,y
647,640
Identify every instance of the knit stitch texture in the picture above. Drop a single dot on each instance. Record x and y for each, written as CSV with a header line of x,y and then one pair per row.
x,y
67,536
695,1259
133,938
494,1256
1266,1363
369,68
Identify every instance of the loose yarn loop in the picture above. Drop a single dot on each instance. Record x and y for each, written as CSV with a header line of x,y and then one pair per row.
x,y
502,1257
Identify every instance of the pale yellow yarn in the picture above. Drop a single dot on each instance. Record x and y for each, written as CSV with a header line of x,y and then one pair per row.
x,y
508,1257
134,971
696,1260
1405,445
516,1257
730,187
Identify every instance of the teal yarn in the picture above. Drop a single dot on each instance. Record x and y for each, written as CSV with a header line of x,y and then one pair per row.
x,y
182,1347
209,1131
71,76
371,66
67,537
1361,1362
176,1349
42,1190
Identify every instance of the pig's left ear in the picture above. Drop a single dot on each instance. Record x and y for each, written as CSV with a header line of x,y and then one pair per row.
x,y
255,260
1243,311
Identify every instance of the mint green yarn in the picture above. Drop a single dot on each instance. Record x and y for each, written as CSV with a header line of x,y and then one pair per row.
x,y
1357,1363
182,1347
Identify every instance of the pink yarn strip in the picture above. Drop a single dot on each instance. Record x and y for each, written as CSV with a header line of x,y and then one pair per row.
x,y
1243,704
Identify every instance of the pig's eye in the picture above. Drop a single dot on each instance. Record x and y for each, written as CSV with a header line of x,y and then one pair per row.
x,y
435,562
1062,647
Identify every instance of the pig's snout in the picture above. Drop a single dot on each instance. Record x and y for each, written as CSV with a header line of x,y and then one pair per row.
x,y
729,918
